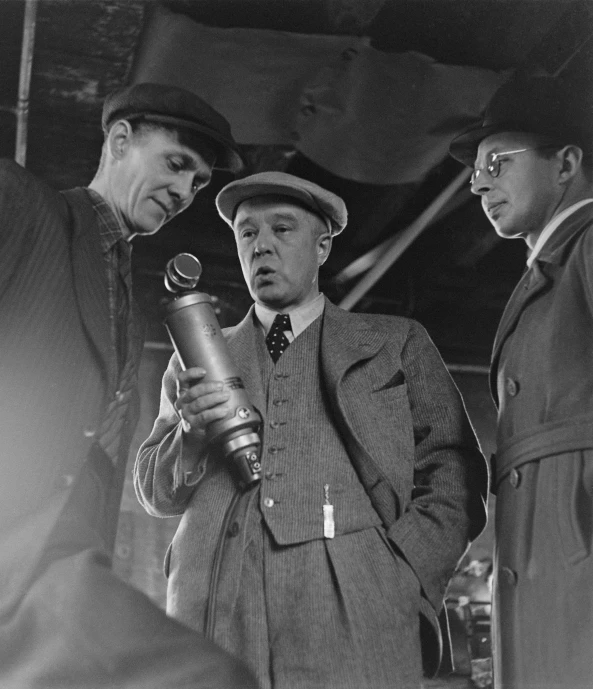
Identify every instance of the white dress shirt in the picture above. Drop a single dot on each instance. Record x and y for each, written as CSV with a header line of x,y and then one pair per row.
x,y
300,318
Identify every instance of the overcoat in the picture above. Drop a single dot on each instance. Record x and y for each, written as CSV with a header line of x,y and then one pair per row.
x,y
406,433
542,381
65,619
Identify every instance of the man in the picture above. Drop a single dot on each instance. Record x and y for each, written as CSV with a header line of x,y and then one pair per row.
x,y
532,169
373,483
70,346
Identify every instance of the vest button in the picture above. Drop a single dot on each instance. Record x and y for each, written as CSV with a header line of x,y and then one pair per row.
x,y
277,402
274,424
273,449
269,475
268,502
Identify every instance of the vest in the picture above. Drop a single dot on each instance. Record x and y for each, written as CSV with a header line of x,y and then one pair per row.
x,y
304,461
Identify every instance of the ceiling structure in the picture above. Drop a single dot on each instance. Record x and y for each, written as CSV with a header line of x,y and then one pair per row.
x,y
454,278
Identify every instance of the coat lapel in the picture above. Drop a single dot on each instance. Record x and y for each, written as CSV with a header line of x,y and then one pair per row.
x,y
535,281
241,340
90,278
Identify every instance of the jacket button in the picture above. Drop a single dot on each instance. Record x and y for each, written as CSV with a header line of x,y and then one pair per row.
x,y
512,387
515,478
64,481
508,576
268,502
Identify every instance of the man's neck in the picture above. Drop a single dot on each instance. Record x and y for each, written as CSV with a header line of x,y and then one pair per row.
x,y
99,185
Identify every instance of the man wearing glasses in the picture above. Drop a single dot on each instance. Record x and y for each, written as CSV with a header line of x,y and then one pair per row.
x,y
532,168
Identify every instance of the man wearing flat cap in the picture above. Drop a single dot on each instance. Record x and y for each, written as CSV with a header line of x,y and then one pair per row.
x,y
532,159
373,483
70,346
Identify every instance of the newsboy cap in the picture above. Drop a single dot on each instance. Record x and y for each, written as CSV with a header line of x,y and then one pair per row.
x,y
537,105
176,107
322,202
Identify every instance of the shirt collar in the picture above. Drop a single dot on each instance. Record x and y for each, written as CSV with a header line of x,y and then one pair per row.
x,y
552,226
110,228
300,318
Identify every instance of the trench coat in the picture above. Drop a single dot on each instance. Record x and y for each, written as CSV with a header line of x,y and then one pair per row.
x,y
542,382
65,619
429,515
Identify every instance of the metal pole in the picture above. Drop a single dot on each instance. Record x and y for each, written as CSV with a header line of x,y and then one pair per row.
x,y
22,109
405,238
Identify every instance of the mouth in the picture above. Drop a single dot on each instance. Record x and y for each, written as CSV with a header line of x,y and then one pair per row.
x,y
493,207
167,211
264,274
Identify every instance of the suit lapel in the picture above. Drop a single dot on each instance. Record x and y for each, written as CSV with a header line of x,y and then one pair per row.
x,y
346,339
242,345
90,278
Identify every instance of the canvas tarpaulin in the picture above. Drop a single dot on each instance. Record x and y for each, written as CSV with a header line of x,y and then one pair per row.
x,y
362,114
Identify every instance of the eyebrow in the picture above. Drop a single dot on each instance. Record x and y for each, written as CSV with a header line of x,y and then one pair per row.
x,y
276,216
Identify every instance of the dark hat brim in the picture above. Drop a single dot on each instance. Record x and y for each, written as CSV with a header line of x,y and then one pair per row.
x,y
464,148
227,157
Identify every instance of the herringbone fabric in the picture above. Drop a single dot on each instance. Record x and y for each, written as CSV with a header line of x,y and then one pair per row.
x,y
276,340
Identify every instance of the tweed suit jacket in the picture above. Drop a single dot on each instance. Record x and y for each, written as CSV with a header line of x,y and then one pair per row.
x,y
57,365
405,429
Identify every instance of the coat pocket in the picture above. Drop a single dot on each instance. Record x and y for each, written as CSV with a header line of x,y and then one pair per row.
x,y
573,503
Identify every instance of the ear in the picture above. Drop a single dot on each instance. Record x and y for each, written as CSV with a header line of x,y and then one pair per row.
x,y
324,245
119,139
571,159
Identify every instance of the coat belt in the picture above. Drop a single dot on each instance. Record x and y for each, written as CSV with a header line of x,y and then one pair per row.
x,y
565,435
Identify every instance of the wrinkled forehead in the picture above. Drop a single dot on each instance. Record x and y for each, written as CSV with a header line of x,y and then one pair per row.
x,y
274,206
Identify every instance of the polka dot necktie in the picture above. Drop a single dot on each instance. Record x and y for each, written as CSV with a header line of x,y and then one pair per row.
x,y
276,340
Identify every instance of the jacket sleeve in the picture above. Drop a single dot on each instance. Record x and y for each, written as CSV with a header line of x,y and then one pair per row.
x,y
447,509
168,465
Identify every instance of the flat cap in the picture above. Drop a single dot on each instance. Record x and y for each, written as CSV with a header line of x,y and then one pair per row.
x,y
538,105
322,202
175,107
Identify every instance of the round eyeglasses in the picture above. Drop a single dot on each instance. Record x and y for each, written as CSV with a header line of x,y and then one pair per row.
x,y
495,160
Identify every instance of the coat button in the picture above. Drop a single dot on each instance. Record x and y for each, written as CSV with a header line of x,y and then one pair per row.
x,y
89,432
233,529
508,576
119,395
268,502
512,387
64,481
515,478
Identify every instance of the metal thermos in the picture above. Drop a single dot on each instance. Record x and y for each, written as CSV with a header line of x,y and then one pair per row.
x,y
196,335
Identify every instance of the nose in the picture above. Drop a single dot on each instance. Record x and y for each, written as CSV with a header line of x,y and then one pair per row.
x,y
262,243
481,184
182,189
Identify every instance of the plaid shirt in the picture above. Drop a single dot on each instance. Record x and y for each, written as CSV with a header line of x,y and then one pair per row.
x,y
110,234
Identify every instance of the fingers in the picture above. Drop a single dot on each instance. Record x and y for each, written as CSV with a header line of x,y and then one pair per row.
x,y
200,403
